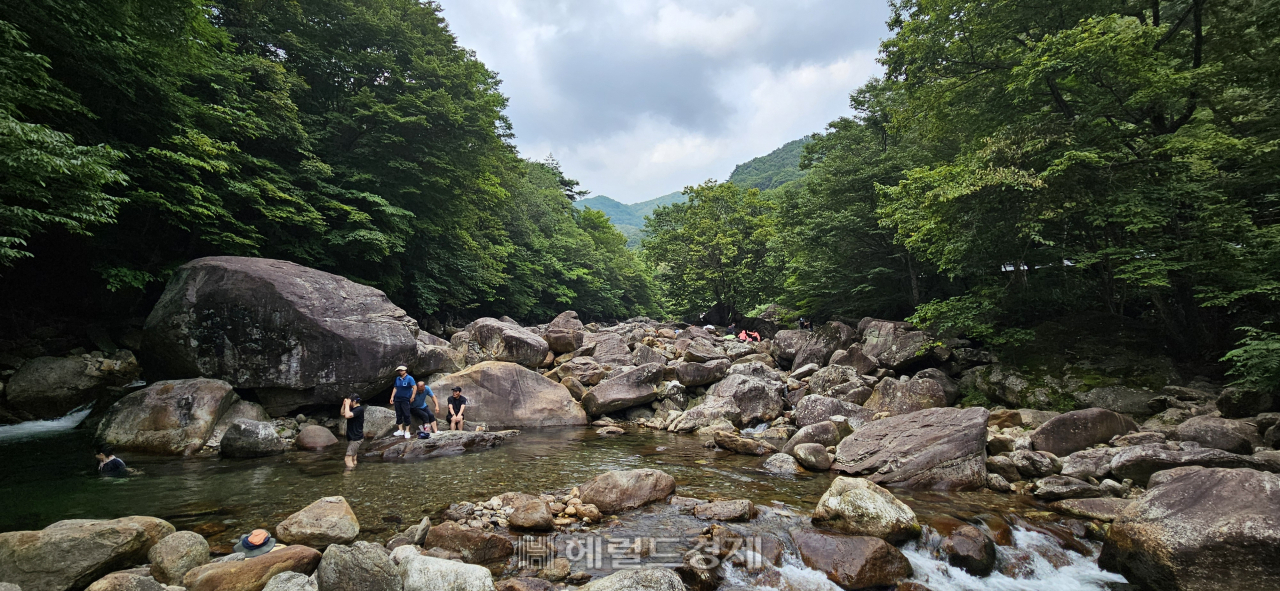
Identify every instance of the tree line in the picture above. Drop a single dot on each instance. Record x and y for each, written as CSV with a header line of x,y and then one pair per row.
x,y
354,136
1024,161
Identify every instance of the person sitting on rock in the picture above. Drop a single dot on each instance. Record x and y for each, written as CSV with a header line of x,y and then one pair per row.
x,y
353,411
418,408
755,336
108,464
401,397
457,405
742,336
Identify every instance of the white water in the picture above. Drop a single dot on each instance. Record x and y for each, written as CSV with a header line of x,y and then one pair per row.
x,y
756,430
32,429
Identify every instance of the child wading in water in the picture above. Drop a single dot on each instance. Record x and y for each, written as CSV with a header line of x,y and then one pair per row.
x,y
353,411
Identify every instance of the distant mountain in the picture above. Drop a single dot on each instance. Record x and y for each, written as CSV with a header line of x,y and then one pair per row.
x,y
622,214
772,170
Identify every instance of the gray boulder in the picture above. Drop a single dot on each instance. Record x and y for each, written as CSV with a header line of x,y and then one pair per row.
x,y
1122,399
641,579
362,566
700,374
758,400
609,348
584,369
756,369
51,387
72,554
856,506
1071,432
781,463
623,490
824,341
297,336
502,341
827,378
250,439
815,409
506,395
291,581
743,445
632,388
936,448
168,418
906,395
1230,435
1089,463
1058,487
327,521
446,443
176,554
896,345
825,433
785,344
426,573
644,354
1139,462
813,456
240,409
565,333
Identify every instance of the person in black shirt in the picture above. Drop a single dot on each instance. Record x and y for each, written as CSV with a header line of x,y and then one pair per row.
x,y
353,411
108,464
457,404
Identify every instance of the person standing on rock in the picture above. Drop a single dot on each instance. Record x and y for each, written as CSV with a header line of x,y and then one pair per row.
x,y
457,404
401,398
418,408
353,411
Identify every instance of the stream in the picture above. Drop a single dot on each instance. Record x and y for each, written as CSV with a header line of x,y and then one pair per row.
x,y
50,476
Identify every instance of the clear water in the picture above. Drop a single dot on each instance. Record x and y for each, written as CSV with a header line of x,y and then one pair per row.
x,y
50,475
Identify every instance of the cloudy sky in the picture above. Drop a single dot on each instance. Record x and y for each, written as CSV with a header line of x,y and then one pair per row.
x,y
638,98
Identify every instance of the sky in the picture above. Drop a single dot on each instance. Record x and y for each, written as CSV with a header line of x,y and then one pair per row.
x,y
639,98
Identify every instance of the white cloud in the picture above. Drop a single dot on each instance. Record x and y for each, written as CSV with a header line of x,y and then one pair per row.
x,y
714,35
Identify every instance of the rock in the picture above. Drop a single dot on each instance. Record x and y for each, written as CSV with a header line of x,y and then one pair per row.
x,y
565,333
502,341
609,348
804,372
1004,467
738,510
1139,438
1119,399
1164,476
434,359
72,554
167,418
701,374
51,387
622,490
610,430
1032,465
475,546
313,437
784,345
1057,487
240,409
362,566
815,409
937,448
505,395
895,345
251,574
122,581
812,456
1102,509
1070,432
852,562
997,482
950,388
825,433
1032,419
1089,463
296,335
758,400
524,584
427,573
970,550
379,422
641,579
780,463
1236,437
176,554
1005,418
824,341
250,439
326,521
584,369
857,506
829,377
289,581
532,514
631,388
899,397
700,352
758,370
1238,403
1208,529
743,445
1140,462
644,354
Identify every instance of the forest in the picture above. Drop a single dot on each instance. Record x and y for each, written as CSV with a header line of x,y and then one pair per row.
x,y
1017,162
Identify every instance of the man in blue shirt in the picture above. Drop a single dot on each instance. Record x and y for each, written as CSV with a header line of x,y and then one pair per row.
x,y
401,396
418,408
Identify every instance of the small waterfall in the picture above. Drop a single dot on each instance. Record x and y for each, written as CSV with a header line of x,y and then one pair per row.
x,y
33,429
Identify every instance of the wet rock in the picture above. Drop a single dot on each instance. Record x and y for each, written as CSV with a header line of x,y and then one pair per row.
x,y
123,581
556,571
937,448
326,521
969,549
167,418
857,506
631,388
240,409
814,409
1237,437
743,445
998,483
780,463
610,430
251,574
1102,509
176,554
313,437
1140,462
427,573
641,579
297,335
289,581
475,546
1208,529
250,439
737,510
505,395
1073,431
1056,488
813,456
51,387
72,554
446,443
532,514
362,566
906,395
852,562
622,490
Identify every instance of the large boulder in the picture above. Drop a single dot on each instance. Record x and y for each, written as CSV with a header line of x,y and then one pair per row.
x,y
501,341
896,345
1071,432
506,395
51,387
785,344
825,433
852,562
970,550
250,439
240,409
314,437
700,351
531,513
813,456
1207,529
758,400
296,335
72,554
821,343
251,574
743,445
628,389
815,409
622,490
1121,399
907,395
691,374
329,520
639,579
475,545
936,448
177,554
362,566
583,369
565,333
827,378
609,348
859,507
170,417
291,581
1238,437
118,581
446,443
1139,462
427,573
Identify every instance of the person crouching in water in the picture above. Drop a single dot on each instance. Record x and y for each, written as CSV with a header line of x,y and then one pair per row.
x,y
418,408
457,404
353,411
108,464
401,396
